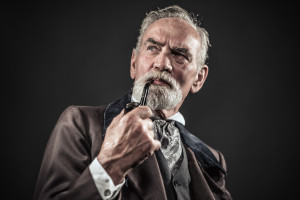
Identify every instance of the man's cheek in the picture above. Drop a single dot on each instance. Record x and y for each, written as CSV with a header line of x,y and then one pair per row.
x,y
179,79
145,64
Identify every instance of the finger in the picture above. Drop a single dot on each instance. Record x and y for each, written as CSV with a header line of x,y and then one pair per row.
x,y
142,112
149,123
156,144
151,133
118,117
150,126
122,113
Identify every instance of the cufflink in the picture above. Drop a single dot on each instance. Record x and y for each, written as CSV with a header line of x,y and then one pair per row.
x,y
107,192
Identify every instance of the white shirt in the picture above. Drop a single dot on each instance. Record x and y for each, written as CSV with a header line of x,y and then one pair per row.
x,y
105,185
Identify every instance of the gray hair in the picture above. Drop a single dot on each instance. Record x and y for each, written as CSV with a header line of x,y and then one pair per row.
x,y
180,13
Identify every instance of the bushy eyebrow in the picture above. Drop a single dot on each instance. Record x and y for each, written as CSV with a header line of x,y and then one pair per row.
x,y
184,51
151,40
181,50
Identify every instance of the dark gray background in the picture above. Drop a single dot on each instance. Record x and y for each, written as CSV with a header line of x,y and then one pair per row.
x,y
60,54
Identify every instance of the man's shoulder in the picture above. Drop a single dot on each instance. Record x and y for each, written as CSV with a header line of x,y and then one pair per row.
x,y
85,110
79,113
214,151
219,156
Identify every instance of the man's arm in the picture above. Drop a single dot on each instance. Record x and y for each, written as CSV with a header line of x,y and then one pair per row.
x,y
65,172
105,185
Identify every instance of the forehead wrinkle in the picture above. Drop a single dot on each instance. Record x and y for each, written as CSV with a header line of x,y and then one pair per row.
x,y
180,48
157,31
190,43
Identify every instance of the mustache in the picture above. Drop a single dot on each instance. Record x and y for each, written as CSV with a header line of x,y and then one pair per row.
x,y
160,96
161,76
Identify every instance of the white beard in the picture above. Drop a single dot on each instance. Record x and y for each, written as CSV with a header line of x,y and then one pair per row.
x,y
159,96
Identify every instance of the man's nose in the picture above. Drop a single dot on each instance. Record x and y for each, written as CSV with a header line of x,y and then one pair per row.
x,y
162,62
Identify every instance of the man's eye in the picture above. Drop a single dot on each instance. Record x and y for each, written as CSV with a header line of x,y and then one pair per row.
x,y
152,48
181,56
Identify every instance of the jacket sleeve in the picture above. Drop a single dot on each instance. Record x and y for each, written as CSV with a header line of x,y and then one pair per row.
x,y
64,173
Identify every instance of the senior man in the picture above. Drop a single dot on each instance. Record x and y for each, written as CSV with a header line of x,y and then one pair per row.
x,y
147,153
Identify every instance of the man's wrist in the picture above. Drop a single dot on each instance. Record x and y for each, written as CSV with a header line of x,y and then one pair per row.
x,y
104,183
112,169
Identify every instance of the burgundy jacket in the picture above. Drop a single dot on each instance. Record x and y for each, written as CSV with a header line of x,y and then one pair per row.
x,y
76,140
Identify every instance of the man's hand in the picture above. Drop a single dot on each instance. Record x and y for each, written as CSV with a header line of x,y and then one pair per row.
x,y
128,142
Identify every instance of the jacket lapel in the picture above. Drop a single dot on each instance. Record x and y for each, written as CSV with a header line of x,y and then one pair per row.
x,y
201,151
115,108
147,181
199,187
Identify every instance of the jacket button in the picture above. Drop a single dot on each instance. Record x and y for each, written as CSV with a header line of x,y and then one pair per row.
x,y
176,183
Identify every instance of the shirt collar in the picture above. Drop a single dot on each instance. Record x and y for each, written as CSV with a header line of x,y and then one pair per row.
x,y
178,117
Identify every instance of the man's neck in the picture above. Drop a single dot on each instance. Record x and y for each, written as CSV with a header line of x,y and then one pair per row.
x,y
165,114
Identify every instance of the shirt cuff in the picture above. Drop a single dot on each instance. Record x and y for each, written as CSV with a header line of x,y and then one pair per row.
x,y
103,181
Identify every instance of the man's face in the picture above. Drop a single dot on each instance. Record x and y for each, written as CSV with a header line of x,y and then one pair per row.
x,y
171,46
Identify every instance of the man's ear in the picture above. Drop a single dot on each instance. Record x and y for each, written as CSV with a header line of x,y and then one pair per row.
x,y
132,64
200,79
